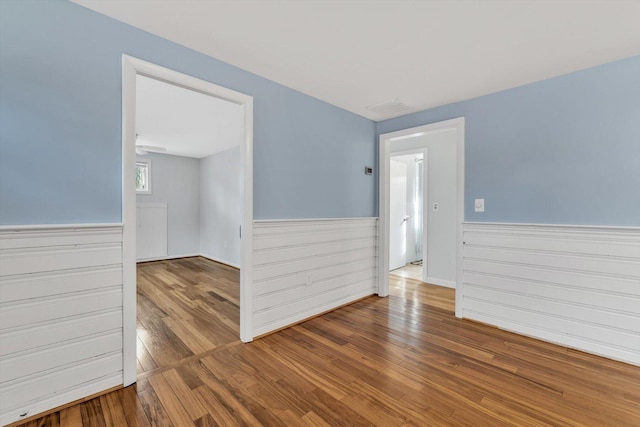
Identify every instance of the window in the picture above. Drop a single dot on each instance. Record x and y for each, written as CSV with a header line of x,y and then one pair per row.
x,y
143,176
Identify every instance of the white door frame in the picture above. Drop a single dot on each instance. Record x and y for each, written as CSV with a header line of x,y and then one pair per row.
x,y
386,140
130,68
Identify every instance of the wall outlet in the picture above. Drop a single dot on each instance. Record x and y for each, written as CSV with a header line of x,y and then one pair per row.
x,y
436,206
478,205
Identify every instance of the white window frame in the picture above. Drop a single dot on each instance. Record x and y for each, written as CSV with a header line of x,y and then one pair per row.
x,y
149,175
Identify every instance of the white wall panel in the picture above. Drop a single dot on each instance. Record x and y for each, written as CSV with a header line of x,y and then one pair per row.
x,y
301,238
39,285
60,315
305,267
312,263
40,387
42,238
49,357
576,286
35,336
35,260
51,308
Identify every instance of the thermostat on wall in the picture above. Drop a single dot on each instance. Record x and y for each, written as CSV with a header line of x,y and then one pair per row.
x,y
368,170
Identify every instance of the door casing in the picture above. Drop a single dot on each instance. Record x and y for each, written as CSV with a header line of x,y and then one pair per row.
x,y
130,68
386,141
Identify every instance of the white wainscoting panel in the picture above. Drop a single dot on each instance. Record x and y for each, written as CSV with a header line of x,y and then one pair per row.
x,y
60,315
571,285
305,267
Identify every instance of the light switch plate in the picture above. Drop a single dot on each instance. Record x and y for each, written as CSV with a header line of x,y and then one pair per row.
x,y
479,205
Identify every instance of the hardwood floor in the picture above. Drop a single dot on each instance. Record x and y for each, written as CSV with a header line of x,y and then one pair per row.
x,y
404,360
186,307
409,271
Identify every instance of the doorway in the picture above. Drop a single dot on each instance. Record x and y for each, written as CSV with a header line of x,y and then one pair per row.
x,y
132,68
442,202
406,221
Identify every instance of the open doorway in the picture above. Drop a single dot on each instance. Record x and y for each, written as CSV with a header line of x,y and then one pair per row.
x,y
190,218
436,155
189,211
406,220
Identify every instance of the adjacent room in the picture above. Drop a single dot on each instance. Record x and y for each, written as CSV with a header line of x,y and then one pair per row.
x,y
189,209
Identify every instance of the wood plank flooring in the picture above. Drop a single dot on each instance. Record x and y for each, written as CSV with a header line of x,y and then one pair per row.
x,y
186,307
404,360
409,271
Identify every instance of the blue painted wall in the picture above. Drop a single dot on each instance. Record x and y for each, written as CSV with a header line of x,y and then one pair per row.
x,y
561,151
565,150
60,130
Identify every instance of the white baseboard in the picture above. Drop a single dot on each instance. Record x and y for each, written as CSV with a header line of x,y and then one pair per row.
x,y
169,257
221,261
441,282
62,398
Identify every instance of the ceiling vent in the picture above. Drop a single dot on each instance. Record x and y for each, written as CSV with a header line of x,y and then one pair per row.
x,y
390,108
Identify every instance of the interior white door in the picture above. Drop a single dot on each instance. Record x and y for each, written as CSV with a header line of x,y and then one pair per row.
x,y
398,215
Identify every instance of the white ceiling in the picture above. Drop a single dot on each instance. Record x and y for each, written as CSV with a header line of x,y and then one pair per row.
x,y
185,122
359,53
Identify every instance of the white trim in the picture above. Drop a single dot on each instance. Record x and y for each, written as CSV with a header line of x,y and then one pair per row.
x,y
60,399
425,216
167,258
220,261
129,221
130,68
246,231
440,282
170,257
17,228
385,154
152,205
460,211
287,221
576,226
